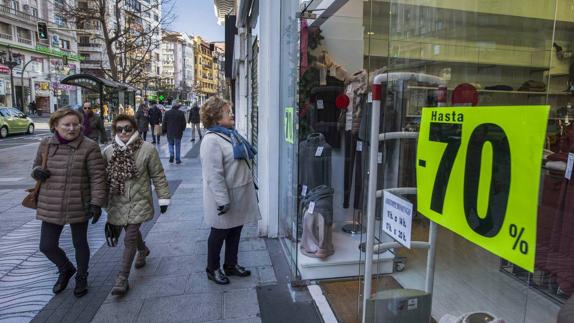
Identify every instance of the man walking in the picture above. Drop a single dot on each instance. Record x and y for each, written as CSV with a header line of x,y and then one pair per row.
x,y
155,121
93,125
174,125
194,121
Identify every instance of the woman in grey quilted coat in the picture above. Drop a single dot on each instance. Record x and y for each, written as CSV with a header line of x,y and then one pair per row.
x,y
132,165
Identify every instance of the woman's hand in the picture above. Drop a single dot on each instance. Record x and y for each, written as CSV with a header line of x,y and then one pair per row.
x,y
223,209
41,174
95,213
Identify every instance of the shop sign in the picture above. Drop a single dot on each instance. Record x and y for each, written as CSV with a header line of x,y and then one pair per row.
x,y
288,122
4,69
478,174
58,53
42,88
397,218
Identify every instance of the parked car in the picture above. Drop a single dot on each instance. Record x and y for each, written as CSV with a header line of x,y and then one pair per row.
x,y
14,121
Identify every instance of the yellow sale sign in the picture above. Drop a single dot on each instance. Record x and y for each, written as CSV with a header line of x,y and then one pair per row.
x,y
478,174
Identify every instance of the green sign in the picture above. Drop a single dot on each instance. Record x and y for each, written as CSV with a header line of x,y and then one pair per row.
x,y
288,123
58,53
478,174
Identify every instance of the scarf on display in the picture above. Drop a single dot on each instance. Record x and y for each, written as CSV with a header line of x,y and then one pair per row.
x,y
122,165
86,124
241,148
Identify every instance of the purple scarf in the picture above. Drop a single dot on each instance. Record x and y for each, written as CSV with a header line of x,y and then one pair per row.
x,y
62,140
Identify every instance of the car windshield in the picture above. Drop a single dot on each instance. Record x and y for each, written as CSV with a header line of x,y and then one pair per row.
x,y
4,112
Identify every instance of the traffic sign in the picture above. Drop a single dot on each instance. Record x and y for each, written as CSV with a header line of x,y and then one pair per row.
x,y
478,174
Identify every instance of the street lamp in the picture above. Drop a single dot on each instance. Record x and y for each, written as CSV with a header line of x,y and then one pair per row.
x,y
11,60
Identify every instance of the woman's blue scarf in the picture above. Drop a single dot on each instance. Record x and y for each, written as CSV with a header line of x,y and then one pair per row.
x,y
242,149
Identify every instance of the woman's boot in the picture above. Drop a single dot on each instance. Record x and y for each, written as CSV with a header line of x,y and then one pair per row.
x,y
121,286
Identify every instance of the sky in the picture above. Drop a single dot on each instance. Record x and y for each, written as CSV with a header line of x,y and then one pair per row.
x,y
197,17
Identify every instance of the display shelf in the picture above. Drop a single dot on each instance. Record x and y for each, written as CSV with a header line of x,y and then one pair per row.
x,y
347,261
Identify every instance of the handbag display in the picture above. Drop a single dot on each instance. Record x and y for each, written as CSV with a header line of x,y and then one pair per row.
x,y
31,200
112,233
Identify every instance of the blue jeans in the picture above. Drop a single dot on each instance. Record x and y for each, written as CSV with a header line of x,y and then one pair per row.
x,y
177,143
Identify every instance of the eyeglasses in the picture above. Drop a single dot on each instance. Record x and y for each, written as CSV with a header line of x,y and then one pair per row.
x,y
71,125
126,129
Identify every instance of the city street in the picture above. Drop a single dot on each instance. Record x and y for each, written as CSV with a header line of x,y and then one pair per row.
x,y
172,287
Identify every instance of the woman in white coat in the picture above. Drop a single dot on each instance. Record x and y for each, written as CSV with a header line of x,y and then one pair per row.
x,y
229,196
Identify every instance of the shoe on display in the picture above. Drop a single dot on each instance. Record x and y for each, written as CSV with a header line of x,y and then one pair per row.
x,y
140,258
63,280
171,160
121,286
81,288
236,271
217,277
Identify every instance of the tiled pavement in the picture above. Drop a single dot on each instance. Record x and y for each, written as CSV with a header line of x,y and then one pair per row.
x,y
173,286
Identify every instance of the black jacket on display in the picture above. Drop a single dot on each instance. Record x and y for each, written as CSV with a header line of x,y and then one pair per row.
x,y
154,116
325,115
314,162
174,123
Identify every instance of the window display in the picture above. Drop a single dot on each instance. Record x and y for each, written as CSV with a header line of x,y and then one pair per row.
x,y
468,55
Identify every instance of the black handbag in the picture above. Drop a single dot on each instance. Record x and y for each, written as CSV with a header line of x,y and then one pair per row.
x,y
112,233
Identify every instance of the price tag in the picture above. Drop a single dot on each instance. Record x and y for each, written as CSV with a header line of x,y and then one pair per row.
x,y
320,105
397,218
568,173
319,151
380,158
304,191
359,145
311,207
478,174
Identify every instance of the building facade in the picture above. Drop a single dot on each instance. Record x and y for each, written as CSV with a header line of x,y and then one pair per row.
x,y
219,69
38,65
205,79
330,173
178,74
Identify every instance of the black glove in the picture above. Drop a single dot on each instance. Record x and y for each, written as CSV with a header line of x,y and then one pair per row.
x,y
41,174
223,209
95,213
162,209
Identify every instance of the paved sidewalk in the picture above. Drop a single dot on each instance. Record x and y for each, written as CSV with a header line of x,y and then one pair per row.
x,y
172,287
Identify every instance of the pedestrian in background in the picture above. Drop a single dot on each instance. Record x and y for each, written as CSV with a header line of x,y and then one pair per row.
x,y
130,111
155,119
194,120
73,191
132,165
229,196
174,125
142,118
93,125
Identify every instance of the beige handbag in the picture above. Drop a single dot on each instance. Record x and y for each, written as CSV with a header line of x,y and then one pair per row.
x,y
31,200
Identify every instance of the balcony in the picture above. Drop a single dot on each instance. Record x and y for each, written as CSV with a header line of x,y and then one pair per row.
x,y
5,36
23,40
89,46
21,16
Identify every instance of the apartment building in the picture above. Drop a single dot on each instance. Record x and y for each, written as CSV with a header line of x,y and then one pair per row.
x,y
205,83
178,74
37,64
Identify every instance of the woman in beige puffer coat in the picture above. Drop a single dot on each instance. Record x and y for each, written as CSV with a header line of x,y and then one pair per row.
x,y
73,190
132,165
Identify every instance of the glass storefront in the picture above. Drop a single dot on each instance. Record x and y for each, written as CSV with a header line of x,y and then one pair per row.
x,y
427,54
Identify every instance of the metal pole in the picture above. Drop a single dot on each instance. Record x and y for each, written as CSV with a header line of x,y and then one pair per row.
x,y
101,101
22,81
12,86
429,284
372,192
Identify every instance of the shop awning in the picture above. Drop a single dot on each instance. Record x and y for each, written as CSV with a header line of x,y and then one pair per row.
x,y
94,83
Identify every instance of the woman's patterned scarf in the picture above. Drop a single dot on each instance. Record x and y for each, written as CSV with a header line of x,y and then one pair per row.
x,y
122,165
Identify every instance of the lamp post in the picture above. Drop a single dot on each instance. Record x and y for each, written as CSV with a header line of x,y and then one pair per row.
x,y
11,60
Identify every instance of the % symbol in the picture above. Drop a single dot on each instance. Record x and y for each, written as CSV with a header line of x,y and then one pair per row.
x,y
523,245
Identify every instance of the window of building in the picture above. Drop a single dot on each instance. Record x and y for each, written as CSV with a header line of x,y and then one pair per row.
x,y
65,44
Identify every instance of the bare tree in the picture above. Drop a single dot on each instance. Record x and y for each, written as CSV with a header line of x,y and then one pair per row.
x,y
129,39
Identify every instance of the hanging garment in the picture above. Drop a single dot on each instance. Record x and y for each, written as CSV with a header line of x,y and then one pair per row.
x,y
324,113
314,162
317,238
